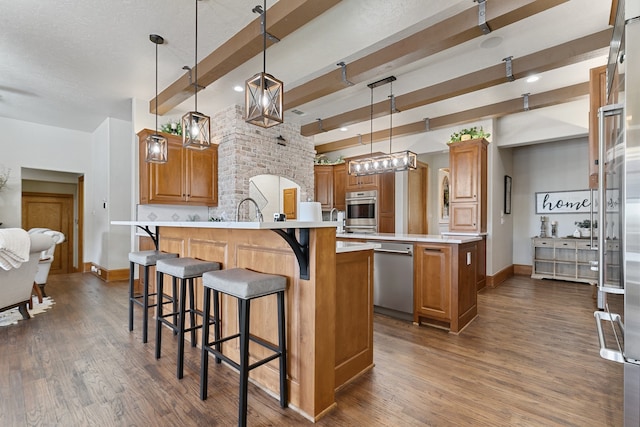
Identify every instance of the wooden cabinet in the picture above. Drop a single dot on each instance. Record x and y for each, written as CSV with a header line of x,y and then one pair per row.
x,y
597,98
360,183
190,177
339,186
323,191
564,259
417,200
387,203
468,191
444,284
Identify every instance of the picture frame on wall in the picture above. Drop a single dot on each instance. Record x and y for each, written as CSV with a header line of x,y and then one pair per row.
x,y
507,194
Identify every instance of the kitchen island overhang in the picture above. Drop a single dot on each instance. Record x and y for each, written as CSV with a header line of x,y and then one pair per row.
x,y
310,302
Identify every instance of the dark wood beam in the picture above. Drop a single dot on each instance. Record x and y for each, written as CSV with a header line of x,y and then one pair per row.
x,y
284,17
555,57
437,38
500,109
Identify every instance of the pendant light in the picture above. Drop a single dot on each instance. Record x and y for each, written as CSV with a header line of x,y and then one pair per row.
x,y
196,127
263,92
383,163
156,144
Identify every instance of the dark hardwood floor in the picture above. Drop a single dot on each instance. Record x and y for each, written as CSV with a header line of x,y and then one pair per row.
x,y
529,359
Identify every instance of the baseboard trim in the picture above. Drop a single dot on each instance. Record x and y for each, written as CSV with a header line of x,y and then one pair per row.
x,y
104,274
500,277
522,269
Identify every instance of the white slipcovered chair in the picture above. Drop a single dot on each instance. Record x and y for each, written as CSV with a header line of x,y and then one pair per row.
x,y
46,257
18,267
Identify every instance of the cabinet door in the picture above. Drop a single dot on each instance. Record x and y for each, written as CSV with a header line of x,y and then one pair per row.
x,y
201,176
464,173
166,181
432,282
386,223
324,186
387,203
359,183
339,186
463,217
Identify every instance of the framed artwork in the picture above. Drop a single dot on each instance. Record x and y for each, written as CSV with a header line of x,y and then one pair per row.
x,y
507,194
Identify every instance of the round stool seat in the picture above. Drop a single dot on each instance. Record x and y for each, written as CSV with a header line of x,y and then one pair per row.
x,y
149,257
185,268
244,284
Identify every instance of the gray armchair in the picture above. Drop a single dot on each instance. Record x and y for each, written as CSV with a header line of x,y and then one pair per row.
x,y
16,283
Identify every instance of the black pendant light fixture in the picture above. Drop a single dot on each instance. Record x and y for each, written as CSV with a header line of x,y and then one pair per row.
x,y
263,92
156,144
382,163
196,127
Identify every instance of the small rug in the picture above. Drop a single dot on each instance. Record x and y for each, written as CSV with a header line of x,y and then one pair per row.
x,y
13,316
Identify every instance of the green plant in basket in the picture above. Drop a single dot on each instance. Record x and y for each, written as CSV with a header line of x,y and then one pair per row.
x,y
470,133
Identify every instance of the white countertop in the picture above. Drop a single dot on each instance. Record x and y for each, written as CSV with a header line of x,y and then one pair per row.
x,y
415,238
253,225
342,247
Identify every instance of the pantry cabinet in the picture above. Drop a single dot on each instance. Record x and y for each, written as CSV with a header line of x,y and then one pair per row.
x,y
468,186
190,177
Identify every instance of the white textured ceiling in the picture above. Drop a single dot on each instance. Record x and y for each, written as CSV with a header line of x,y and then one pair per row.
x,y
72,63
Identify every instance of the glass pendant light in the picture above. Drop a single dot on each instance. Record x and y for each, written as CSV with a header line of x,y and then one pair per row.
x,y
263,92
196,130
156,144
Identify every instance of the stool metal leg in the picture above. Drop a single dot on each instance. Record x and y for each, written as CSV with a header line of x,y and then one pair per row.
x,y
131,290
216,317
204,360
174,289
181,322
192,311
145,304
282,340
159,284
245,306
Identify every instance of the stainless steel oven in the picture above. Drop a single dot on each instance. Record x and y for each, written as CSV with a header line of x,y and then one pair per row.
x,y
362,212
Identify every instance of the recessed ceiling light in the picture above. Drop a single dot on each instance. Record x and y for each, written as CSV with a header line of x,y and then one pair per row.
x,y
532,79
238,88
491,42
344,129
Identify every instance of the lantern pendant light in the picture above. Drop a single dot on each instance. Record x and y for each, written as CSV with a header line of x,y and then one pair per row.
x,y
156,144
263,92
196,127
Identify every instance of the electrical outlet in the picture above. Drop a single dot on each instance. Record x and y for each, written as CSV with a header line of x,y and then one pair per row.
x,y
99,272
94,269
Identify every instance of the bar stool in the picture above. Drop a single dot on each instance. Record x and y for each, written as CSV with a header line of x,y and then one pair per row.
x,y
244,285
145,259
187,270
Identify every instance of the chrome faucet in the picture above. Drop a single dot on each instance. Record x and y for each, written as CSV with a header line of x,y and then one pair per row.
x,y
258,212
331,214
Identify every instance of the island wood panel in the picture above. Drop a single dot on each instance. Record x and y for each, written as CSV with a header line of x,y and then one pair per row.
x,y
354,315
310,304
464,286
432,281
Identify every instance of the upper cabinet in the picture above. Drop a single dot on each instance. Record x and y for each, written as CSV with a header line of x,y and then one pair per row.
x,y
468,191
190,177
340,186
323,175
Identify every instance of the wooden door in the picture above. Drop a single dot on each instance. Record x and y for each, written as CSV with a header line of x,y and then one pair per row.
x,y
290,202
54,211
200,181
417,200
387,203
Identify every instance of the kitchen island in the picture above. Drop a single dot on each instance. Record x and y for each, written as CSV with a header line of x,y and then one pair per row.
x,y
329,327
446,273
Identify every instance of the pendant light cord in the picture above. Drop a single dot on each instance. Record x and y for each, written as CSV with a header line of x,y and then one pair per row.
x,y
264,37
156,87
390,113
371,123
195,67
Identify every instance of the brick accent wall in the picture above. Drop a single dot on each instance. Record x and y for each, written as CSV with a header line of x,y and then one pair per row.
x,y
246,150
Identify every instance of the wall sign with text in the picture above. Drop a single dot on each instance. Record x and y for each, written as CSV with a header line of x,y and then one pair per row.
x,y
578,201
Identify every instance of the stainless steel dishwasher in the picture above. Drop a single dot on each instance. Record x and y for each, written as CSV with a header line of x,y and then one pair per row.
x,y
393,280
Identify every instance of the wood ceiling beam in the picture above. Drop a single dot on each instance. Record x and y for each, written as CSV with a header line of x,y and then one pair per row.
x,y
284,17
437,38
555,57
500,109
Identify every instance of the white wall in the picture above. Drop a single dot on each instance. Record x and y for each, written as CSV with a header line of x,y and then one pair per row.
x,y
553,166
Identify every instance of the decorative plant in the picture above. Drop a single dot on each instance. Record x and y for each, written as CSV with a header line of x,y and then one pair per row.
x,y
174,128
4,177
586,224
324,160
473,132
